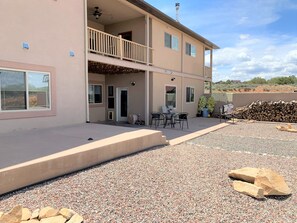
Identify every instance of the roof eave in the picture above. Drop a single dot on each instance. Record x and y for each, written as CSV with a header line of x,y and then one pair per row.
x,y
154,11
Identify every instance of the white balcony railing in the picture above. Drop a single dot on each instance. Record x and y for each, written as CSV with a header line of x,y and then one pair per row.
x,y
115,46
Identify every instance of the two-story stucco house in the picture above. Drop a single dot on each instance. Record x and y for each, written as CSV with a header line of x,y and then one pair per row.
x,y
64,62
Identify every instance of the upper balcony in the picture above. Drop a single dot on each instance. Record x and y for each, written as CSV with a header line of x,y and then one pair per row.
x,y
118,47
115,29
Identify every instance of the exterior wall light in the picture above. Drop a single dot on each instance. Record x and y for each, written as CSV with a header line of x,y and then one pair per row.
x,y
26,45
172,79
133,83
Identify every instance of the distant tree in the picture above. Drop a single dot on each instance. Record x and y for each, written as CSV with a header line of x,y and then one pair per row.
x,y
257,80
283,80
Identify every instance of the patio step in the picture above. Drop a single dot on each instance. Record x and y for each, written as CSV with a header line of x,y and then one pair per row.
x,y
78,158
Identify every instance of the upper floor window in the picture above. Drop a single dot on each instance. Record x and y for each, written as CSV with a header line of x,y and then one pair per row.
x,y
190,50
171,41
24,90
207,57
95,94
190,92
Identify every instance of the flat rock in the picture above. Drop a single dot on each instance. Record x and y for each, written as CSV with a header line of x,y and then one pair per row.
x,y
76,219
272,183
67,213
16,211
31,221
35,214
48,212
247,174
26,214
248,189
56,219
8,218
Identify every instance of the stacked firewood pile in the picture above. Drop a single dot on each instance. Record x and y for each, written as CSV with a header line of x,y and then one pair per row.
x,y
269,111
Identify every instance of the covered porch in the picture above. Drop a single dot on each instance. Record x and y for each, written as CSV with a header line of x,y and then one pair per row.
x,y
115,92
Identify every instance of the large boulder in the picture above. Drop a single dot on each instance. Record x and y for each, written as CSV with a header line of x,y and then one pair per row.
x,y
272,183
247,174
248,189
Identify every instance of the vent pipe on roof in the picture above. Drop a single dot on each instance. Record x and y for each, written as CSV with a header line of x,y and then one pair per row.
x,y
177,11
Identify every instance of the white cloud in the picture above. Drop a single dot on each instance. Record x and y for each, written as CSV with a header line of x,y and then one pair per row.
x,y
267,57
244,36
292,56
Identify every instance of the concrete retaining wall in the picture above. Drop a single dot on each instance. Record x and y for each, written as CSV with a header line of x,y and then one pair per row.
x,y
78,158
242,99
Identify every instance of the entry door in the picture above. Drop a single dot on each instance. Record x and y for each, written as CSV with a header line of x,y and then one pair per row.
x,y
122,104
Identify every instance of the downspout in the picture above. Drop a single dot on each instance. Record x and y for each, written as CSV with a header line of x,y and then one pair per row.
x,y
147,73
86,62
182,71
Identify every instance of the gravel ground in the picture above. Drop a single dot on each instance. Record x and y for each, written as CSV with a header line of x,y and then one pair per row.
x,y
261,138
184,183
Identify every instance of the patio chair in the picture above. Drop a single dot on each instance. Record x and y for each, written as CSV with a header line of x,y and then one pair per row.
x,y
226,112
181,118
157,118
164,109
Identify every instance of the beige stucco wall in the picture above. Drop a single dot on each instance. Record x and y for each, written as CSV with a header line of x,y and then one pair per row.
x,y
198,86
137,26
193,65
96,25
136,99
97,111
162,56
51,34
158,82
242,99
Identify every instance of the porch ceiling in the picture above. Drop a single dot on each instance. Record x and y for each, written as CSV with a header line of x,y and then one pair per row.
x,y
101,68
113,11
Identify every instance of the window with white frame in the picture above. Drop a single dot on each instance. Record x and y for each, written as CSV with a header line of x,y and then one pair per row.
x,y
170,96
190,50
24,90
95,94
171,41
207,57
190,94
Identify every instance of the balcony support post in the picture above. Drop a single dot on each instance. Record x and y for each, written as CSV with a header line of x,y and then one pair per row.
x,y
121,47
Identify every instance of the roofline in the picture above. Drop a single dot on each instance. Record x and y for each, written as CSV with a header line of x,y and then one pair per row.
x,y
154,11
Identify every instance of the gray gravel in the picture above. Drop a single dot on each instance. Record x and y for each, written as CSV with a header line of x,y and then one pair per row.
x,y
184,183
261,138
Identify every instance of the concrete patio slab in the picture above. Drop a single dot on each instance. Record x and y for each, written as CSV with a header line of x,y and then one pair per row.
x,y
56,151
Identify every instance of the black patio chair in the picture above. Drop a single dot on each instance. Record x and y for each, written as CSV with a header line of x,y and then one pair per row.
x,y
181,118
157,118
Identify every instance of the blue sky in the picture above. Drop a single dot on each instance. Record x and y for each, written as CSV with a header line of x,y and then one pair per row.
x,y
257,38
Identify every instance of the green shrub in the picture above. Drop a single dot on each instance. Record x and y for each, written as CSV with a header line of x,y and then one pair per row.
x,y
201,103
210,104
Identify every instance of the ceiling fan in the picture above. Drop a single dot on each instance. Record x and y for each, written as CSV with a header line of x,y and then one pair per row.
x,y
97,13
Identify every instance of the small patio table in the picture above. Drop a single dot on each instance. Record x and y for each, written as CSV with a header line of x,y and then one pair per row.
x,y
170,117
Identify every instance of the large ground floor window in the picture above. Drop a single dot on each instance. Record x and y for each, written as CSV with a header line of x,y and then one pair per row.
x,y
24,90
95,94
170,96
